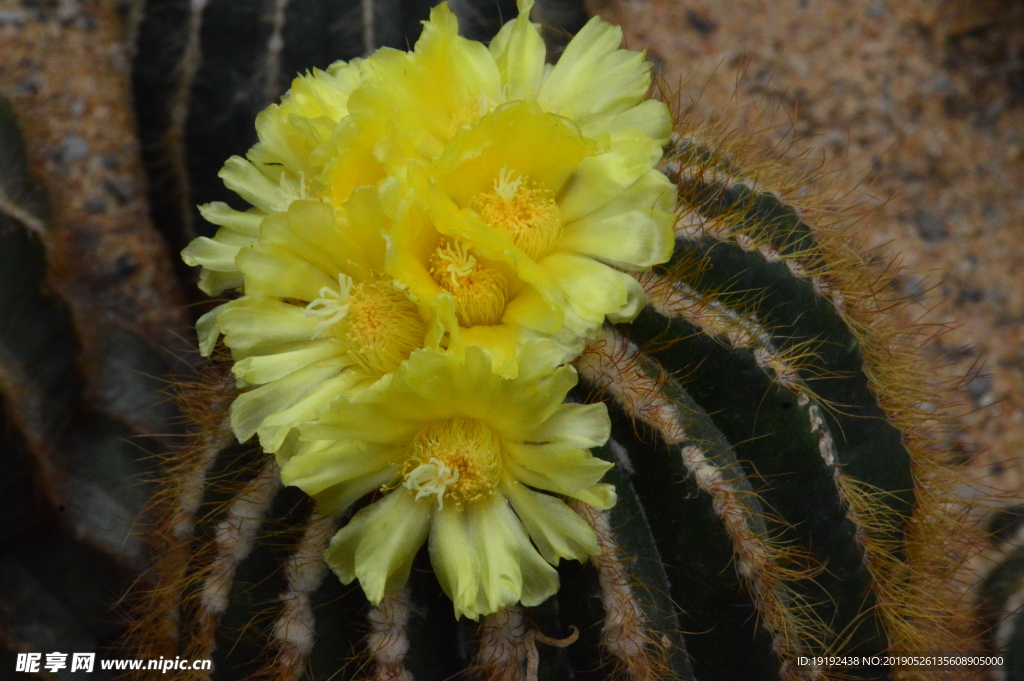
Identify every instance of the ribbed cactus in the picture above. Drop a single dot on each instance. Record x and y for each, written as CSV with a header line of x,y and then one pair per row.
x,y
999,596
781,491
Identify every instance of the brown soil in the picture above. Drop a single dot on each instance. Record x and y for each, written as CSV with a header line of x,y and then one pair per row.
x,y
921,105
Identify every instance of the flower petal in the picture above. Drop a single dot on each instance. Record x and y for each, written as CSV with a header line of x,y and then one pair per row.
x,y
337,499
243,178
315,467
596,290
219,213
250,408
561,469
208,330
274,271
632,240
651,117
378,545
484,560
259,326
578,425
519,52
594,76
286,359
603,178
556,530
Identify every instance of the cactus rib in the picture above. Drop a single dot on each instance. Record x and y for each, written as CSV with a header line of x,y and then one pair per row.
x,y
639,386
294,630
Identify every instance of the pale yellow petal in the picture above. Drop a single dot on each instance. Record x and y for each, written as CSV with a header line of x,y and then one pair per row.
x,y
594,289
257,326
243,178
337,499
604,178
214,283
519,53
222,214
632,240
556,530
284,360
378,545
274,429
578,425
558,468
594,76
314,470
651,117
250,408
207,328
274,271
213,255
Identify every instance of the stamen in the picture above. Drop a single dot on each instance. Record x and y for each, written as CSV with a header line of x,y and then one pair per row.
x,y
332,304
505,186
460,261
431,478
524,211
479,291
382,326
457,459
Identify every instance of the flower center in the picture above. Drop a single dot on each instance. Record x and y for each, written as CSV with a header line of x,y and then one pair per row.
x,y
479,291
524,211
378,322
457,459
471,113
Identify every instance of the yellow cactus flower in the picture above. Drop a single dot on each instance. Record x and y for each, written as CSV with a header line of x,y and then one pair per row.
x,y
538,183
319,318
535,184
458,454
281,168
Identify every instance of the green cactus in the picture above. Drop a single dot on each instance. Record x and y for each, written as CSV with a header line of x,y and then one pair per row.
x,y
781,490
999,594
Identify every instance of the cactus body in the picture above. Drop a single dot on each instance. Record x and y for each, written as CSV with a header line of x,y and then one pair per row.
x,y
780,494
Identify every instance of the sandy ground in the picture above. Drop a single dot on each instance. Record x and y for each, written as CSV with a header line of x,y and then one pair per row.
x,y
920,105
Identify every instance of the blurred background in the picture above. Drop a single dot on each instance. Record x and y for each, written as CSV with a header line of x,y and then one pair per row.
x,y
115,116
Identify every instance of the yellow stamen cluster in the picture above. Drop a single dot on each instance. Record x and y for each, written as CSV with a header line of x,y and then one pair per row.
x,y
458,457
523,211
479,291
382,326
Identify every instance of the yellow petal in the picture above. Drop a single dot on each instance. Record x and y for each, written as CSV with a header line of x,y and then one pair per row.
x,y
632,240
602,179
257,326
274,271
556,530
284,360
379,543
250,408
651,117
558,468
594,76
208,330
247,223
596,290
314,469
578,425
519,53
213,255
337,499
243,178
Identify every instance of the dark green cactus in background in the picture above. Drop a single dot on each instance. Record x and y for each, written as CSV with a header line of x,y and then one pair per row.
x,y
999,596
783,491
